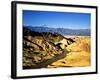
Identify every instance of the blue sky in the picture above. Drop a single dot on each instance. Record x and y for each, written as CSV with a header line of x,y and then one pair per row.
x,y
57,19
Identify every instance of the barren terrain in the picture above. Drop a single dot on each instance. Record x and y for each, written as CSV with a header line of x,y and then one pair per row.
x,y
78,54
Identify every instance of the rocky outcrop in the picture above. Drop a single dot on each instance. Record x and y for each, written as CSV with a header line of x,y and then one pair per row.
x,y
41,49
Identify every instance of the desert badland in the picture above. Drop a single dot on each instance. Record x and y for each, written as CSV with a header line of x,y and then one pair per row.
x,y
78,54
53,50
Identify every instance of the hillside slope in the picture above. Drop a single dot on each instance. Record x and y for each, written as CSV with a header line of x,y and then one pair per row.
x,y
42,48
79,54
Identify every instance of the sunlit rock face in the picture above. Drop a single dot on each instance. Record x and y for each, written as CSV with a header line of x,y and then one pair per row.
x,y
39,47
53,50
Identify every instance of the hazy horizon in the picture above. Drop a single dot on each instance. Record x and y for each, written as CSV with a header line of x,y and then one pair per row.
x,y
54,27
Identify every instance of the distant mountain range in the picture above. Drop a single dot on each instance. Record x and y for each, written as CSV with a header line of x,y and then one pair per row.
x,y
63,31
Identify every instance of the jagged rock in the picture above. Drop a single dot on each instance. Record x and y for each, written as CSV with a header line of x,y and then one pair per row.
x,y
41,47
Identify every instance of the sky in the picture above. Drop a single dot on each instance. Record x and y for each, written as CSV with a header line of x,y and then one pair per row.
x,y
70,20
